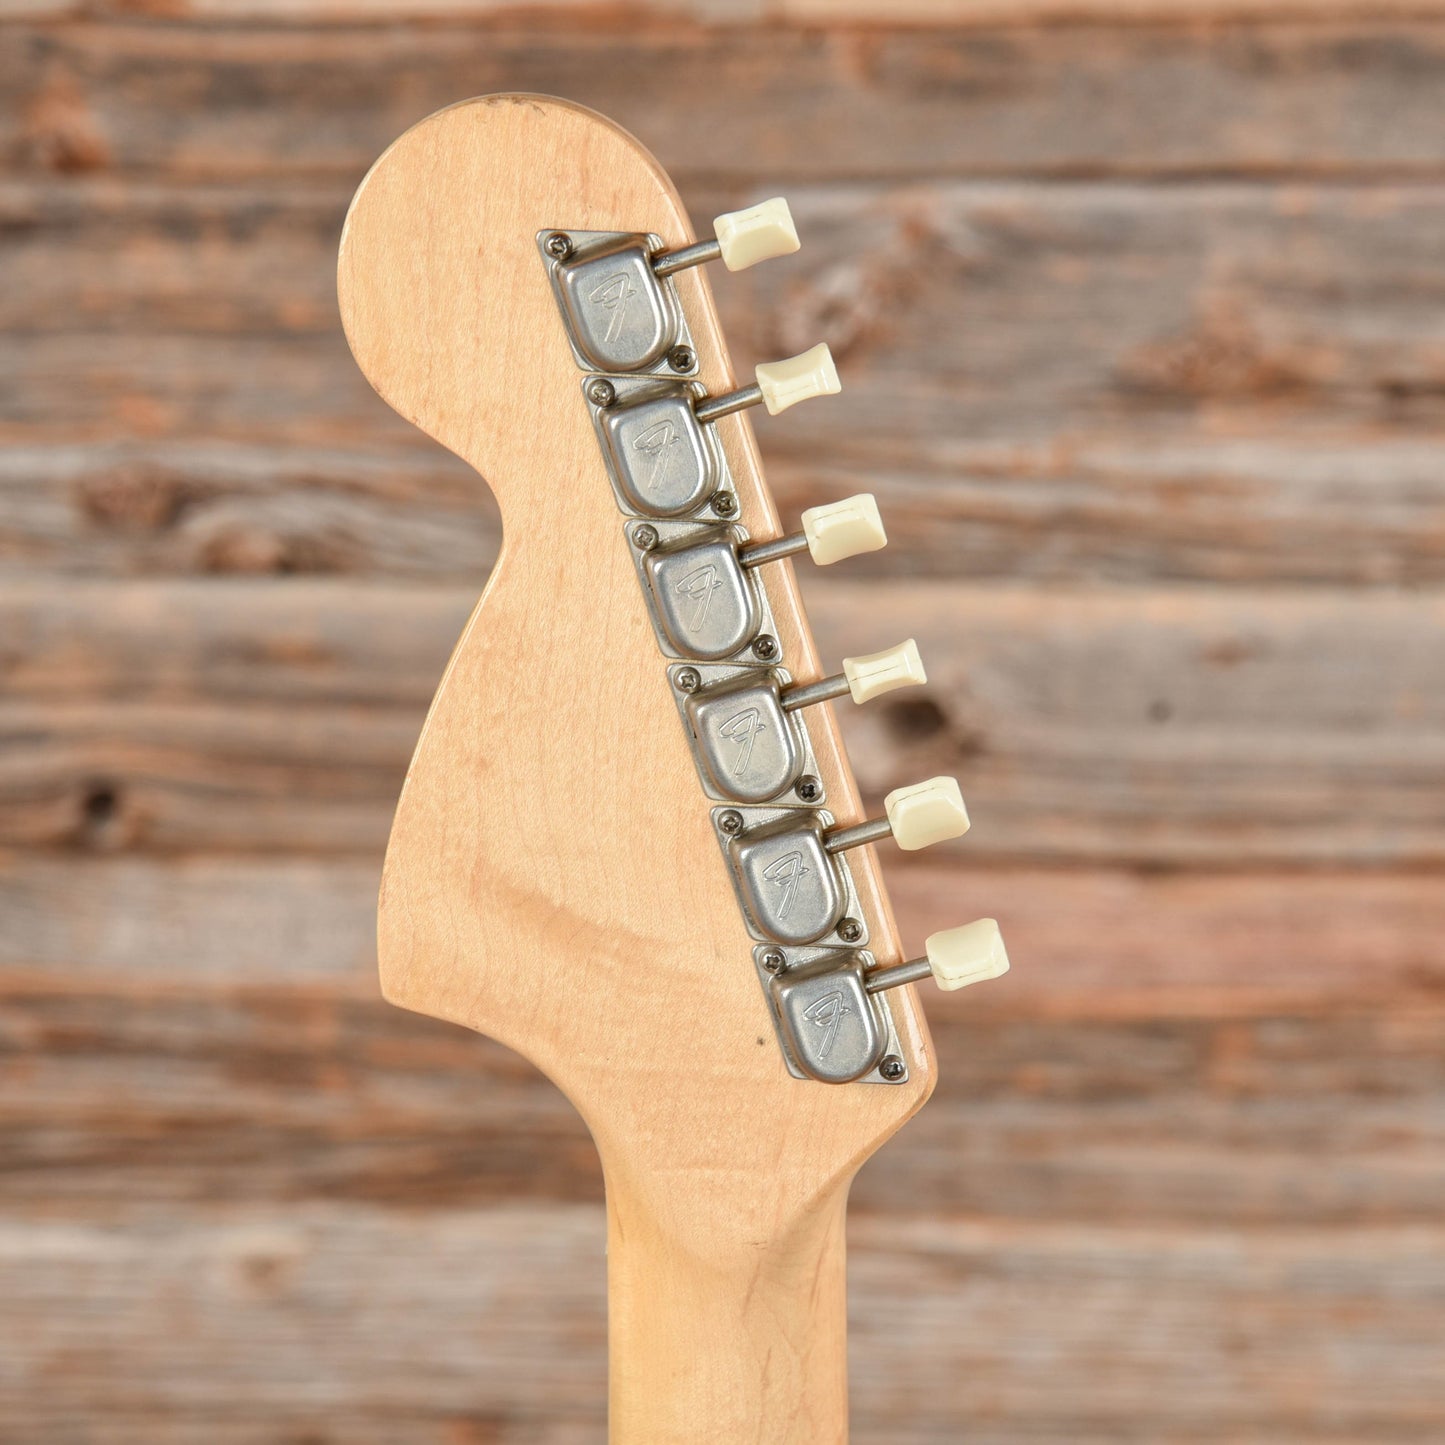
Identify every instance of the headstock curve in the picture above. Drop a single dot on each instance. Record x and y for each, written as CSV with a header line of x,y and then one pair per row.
x,y
553,878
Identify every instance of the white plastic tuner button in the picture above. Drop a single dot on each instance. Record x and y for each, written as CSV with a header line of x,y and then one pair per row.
x,y
844,529
970,954
756,234
880,672
926,813
799,378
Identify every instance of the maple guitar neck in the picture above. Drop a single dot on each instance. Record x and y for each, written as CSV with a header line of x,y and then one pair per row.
x,y
723,1326
742,1034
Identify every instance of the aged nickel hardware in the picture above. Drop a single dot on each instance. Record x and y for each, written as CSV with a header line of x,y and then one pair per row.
x,y
749,748
613,288
703,602
663,461
789,886
830,1026
785,869
824,1007
741,708
742,757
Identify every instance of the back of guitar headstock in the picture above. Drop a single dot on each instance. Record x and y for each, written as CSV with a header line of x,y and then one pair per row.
x,y
629,845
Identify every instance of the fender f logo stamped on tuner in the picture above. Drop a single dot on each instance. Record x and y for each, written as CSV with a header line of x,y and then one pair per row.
x,y
742,729
826,1014
597,273
698,587
612,296
785,873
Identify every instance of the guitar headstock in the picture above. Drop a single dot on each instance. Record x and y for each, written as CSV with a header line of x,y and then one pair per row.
x,y
629,845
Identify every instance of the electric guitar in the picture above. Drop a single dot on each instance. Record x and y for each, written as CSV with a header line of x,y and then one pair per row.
x,y
629,845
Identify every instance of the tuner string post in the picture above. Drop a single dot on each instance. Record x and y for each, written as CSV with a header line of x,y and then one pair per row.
x,y
917,816
712,408
698,254
811,693
742,239
954,959
760,552
779,385
831,533
839,840
862,678
915,971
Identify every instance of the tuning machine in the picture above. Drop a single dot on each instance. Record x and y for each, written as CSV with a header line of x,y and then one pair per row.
x,y
786,854
741,719
824,1005
697,577
955,958
657,436
785,862
615,293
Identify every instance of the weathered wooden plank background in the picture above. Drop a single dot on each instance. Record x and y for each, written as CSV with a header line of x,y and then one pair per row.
x,y
1141,309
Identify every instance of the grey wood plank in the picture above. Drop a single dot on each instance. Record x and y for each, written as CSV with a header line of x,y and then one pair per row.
x,y
248,508
1098,943
1231,512
123,1099
1013,313
1223,383
497,1315
965,14
1179,726
1156,729
789,101
191,922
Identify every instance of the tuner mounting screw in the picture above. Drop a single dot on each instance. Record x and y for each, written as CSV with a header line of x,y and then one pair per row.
x,y
774,961
765,646
601,392
725,504
559,245
892,1068
680,358
808,789
689,679
850,930
645,536
731,821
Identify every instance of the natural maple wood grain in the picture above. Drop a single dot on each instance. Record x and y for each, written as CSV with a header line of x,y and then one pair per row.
x,y
541,862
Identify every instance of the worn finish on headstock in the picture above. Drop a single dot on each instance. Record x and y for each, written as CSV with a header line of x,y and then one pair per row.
x,y
552,878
